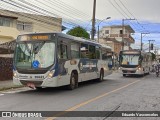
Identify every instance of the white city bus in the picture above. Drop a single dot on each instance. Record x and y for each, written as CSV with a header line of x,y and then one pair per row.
x,y
134,62
56,59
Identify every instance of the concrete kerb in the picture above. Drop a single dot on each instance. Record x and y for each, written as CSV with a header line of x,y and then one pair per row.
x,y
10,87
8,84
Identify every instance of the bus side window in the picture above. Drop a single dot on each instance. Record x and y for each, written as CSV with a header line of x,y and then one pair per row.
x,y
104,54
84,51
62,51
98,52
92,51
75,50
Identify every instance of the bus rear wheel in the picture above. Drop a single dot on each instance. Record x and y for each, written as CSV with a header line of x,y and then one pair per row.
x,y
73,82
39,88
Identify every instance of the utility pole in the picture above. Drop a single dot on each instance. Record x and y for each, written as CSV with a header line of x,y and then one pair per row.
x,y
141,40
100,23
150,45
122,34
93,20
123,31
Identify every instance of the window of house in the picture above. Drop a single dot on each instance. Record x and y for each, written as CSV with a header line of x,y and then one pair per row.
x,y
24,26
106,31
5,21
75,50
121,31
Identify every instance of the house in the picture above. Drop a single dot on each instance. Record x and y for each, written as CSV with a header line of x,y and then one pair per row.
x,y
14,23
113,35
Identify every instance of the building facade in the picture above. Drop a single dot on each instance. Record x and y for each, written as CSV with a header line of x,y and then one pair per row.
x,y
14,23
113,35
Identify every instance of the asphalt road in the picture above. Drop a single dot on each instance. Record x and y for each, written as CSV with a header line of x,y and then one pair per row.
x,y
115,93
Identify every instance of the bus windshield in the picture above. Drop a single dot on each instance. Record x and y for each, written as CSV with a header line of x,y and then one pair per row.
x,y
129,59
34,55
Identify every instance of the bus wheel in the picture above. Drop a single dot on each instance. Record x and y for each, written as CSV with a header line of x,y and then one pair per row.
x,y
39,88
124,75
101,77
73,82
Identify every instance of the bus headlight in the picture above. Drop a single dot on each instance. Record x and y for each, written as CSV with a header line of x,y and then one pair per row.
x,y
15,74
120,68
139,68
50,74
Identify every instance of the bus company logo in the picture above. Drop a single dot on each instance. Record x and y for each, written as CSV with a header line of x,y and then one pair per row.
x,y
23,76
6,114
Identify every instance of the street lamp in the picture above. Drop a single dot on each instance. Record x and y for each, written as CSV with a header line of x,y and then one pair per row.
x,y
141,40
100,23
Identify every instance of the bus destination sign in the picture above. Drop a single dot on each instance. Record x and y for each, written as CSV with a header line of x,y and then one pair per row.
x,y
33,37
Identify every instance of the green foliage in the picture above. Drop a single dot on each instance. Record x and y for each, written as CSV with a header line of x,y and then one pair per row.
x,y
79,32
153,56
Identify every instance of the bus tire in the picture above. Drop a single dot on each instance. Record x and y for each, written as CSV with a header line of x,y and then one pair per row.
x,y
149,71
73,82
39,88
124,75
101,76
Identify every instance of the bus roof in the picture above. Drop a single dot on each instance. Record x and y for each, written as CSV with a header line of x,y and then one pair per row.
x,y
78,39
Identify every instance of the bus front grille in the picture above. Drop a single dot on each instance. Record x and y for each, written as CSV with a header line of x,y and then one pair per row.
x,y
36,83
128,71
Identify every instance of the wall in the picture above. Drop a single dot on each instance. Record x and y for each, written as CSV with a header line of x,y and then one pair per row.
x,y
8,34
6,68
39,24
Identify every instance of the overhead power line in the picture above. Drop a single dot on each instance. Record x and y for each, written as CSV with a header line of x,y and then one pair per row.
x,y
33,8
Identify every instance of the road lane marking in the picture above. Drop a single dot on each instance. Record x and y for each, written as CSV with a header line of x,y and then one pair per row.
x,y
89,101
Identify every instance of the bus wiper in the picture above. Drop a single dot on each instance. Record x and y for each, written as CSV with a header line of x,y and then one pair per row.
x,y
37,47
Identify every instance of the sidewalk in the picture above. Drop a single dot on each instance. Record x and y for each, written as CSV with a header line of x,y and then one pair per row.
x,y
7,84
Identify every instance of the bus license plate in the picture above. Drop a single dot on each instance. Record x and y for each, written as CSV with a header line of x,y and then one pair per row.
x,y
31,85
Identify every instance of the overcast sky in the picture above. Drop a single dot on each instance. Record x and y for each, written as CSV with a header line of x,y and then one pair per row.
x,y
80,11
145,11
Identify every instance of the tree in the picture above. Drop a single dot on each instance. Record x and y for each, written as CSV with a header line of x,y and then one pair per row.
x,y
153,56
79,32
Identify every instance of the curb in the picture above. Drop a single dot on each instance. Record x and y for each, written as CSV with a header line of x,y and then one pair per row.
x,y
10,87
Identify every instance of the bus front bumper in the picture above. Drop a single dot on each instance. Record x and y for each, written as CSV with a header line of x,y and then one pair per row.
x,y
38,80
52,82
129,71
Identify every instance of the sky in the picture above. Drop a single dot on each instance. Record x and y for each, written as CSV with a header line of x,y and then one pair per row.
x,y
79,12
146,12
